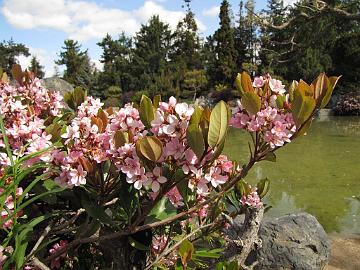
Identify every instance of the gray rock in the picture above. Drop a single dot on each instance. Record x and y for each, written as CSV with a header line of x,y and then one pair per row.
x,y
57,84
295,241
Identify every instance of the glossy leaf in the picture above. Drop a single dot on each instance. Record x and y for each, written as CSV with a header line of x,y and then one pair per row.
x,y
182,184
292,88
263,187
246,82
237,84
146,111
119,139
162,210
305,89
242,188
55,131
280,101
186,251
302,107
196,116
332,83
156,100
218,125
195,140
149,147
251,102
17,73
103,116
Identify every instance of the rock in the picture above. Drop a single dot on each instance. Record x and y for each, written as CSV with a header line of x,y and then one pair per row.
x,y
57,84
295,241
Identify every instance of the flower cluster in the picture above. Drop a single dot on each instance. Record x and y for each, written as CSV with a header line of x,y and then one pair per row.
x,y
276,124
91,139
24,109
252,199
9,208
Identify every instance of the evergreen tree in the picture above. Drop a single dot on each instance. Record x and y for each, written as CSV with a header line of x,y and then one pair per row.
x,y
150,56
246,38
224,69
186,43
36,68
78,70
116,57
9,51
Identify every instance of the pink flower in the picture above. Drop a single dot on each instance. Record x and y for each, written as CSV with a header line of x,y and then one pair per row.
x,y
175,197
174,148
184,110
77,177
258,82
154,179
252,200
277,87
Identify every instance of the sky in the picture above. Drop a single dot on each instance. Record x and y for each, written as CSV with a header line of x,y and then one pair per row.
x,y
43,25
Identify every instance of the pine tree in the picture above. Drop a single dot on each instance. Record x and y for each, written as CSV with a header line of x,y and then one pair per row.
x,y
150,56
225,53
9,51
36,68
186,43
78,69
116,57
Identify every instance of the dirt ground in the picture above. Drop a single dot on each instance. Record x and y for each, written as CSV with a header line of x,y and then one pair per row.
x,y
345,254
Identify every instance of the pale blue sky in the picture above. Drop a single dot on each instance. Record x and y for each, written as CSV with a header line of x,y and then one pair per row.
x,y
43,25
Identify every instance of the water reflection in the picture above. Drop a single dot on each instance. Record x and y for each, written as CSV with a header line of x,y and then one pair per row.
x,y
318,173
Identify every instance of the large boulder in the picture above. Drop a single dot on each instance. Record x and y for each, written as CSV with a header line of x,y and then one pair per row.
x,y
57,84
295,241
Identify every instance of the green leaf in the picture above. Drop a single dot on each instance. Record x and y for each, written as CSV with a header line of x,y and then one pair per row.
x,y
146,111
182,184
292,88
302,107
186,251
149,147
55,131
263,187
94,210
246,82
69,99
242,188
280,101
156,101
214,253
237,84
195,140
120,139
196,116
219,122
332,83
251,102
79,96
137,244
162,210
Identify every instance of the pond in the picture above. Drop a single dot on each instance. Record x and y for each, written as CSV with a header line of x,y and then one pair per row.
x,y
318,173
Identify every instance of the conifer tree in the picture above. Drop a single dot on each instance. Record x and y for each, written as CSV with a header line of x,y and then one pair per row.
x,y
36,68
78,69
224,45
9,51
150,56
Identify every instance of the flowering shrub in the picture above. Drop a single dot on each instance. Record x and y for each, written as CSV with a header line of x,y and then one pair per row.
x,y
150,177
348,104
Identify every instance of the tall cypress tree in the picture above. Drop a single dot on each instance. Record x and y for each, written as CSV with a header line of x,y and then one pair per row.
x,y
224,45
36,68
